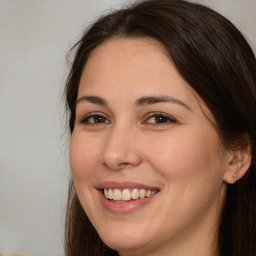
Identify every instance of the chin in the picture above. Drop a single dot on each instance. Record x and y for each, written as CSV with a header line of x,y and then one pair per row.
x,y
124,240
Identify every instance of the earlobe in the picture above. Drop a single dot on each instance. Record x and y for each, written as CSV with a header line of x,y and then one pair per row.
x,y
239,163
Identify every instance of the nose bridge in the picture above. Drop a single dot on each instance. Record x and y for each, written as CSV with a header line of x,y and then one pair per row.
x,y
120,149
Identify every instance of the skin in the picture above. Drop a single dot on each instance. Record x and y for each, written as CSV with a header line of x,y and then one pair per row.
x,y
184,158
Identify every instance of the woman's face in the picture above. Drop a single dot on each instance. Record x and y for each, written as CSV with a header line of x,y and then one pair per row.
x,y
144,136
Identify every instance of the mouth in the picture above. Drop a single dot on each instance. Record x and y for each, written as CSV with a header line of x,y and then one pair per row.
x,y
125,197
127,194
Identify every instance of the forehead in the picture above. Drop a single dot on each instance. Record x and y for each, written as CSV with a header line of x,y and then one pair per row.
x,y
129,52
131,63
135,47
123,68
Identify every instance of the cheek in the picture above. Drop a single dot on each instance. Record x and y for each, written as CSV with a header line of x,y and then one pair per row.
x,y
83,160
191,169
83,157
194,155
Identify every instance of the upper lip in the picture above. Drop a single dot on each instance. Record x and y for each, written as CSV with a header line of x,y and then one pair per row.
x,y
123,185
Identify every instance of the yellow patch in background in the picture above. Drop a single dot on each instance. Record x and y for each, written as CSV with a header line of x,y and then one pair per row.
x,y
17,254
14,254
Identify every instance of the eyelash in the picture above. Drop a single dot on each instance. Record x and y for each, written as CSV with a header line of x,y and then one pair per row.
x,y
85,119
166,119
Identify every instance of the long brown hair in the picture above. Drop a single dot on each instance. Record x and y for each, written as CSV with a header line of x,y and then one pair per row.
x,y
217,62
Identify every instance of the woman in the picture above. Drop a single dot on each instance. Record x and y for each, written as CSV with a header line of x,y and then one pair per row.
x,y
162,99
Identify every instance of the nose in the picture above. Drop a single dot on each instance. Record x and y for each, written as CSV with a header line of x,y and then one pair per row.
x,y
120,150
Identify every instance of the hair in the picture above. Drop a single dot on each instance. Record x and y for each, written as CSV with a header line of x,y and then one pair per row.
x,y
215,59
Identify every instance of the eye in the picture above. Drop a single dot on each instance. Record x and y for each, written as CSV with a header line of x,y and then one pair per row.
x,y
93,119
160,119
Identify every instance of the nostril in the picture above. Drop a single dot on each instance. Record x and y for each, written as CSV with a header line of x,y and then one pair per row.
x,y
123,164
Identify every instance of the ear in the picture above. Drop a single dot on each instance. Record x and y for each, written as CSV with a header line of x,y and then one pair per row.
x,y
239,162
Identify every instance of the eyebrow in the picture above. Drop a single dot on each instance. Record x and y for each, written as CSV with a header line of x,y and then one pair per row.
x,y
153,100
92,99
148,100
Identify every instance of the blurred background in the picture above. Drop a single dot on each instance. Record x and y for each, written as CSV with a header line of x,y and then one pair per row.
x,y
35,37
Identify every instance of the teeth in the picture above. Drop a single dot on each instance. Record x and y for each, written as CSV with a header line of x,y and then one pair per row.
x,y
127,194
110,194
117,194
106,193
142,193
135,193
148,193
154,192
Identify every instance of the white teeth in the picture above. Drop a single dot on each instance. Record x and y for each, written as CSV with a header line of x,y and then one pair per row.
x,y
135,193
117,194
106,193
127,194
142,193
110,194
148,193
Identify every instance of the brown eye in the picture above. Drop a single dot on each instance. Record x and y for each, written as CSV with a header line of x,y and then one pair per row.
x,y
94,119
159,119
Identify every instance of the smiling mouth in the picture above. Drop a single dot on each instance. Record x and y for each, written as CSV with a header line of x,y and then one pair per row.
x,y
127,195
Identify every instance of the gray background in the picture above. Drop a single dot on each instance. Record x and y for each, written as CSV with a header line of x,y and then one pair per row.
x,y
35,36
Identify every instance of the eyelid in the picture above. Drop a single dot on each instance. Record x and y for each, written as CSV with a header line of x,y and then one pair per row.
x,y
154,114
83,119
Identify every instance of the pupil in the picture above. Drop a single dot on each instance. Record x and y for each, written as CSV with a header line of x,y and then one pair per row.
x,y
98,119
161,119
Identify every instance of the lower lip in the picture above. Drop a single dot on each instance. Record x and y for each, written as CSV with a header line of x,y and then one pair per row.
x,y
126,207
